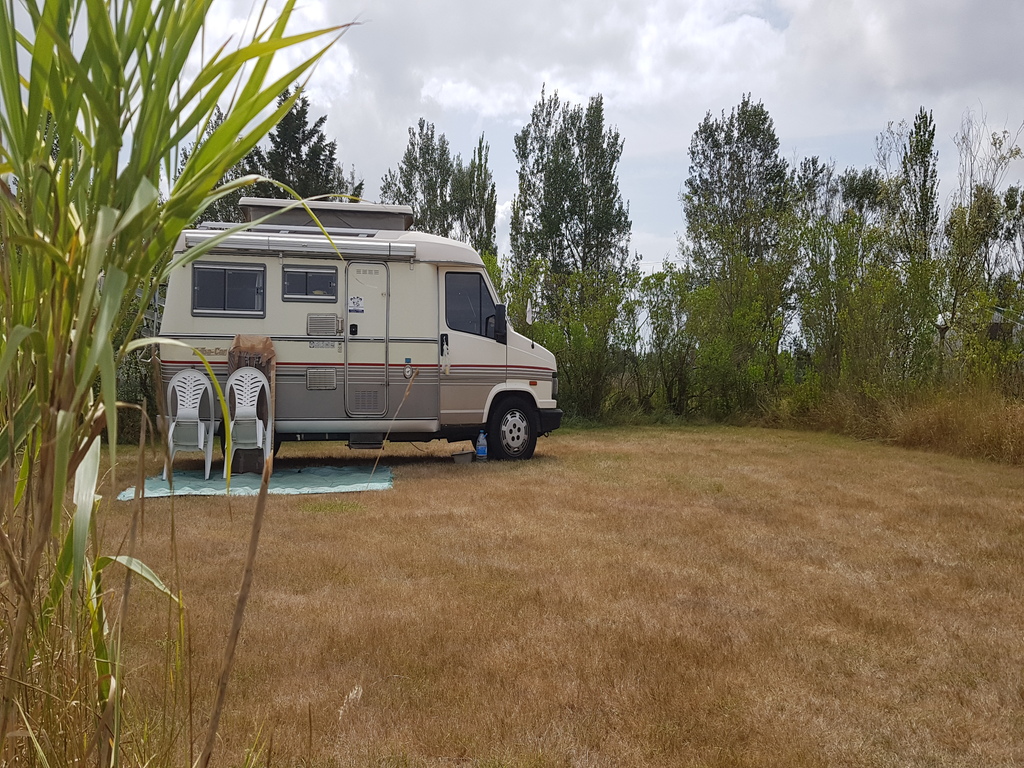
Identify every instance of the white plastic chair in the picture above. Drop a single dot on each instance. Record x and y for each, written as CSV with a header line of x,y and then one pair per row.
x,y
247,428
188,430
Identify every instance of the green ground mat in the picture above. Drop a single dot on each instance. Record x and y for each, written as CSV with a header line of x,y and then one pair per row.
x,y
283,481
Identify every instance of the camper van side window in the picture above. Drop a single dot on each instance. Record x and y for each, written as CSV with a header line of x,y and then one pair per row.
x,y
224,290
468,304
310,284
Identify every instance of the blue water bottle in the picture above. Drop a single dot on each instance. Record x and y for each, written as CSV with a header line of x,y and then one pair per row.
x,y
481,447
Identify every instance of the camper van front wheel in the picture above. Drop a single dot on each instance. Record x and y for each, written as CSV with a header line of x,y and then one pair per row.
x,y
512,429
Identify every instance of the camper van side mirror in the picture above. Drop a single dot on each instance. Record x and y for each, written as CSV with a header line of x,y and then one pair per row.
x,y
500,324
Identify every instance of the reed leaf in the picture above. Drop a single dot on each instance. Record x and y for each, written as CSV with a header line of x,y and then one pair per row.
x,y
24,471
40,752
60,577
85,502
95,98
12,343
64,434
15,431
137,567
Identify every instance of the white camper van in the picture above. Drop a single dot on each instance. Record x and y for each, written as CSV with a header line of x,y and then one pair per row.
x,y
377,331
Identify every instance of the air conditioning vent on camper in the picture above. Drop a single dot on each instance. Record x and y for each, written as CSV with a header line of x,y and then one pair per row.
x,y
321,378
321,325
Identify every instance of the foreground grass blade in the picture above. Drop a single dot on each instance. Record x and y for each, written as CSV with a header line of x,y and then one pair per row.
x,y
236,623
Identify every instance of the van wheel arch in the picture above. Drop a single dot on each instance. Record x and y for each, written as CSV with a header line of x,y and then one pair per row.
x,y
513,428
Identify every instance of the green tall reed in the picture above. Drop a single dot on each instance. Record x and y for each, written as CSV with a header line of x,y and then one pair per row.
x,y
95,98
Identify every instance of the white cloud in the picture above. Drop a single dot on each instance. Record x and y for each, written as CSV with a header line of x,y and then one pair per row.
x,y
831,74
461,96
642,57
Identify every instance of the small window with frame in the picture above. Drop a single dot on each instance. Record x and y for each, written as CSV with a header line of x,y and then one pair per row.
x,y
302,283
228,289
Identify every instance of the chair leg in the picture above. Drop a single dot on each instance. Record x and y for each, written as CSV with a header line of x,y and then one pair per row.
x,y
209,453
168,461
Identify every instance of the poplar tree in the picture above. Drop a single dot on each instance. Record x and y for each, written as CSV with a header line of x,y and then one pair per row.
x,y
570,232
909,164
423,180
738,202
475,201
448,198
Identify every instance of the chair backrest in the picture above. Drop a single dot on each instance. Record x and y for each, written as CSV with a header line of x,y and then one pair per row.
x,y
185,393
243,391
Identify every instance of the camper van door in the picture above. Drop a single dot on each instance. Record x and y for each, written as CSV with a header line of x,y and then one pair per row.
x,y
472,361
366,335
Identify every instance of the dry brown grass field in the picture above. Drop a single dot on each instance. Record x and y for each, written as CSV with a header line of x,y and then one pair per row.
x,y
633,597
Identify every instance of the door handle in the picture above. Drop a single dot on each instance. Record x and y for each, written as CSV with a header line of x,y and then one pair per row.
x,y
444,353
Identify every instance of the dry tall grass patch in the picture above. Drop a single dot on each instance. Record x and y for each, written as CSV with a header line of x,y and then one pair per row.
x,y
974,423
649,597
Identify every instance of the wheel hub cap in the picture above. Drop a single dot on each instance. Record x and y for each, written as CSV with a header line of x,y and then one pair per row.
x,y
514,431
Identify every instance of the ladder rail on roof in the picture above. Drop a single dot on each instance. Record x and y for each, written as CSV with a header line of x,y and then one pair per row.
x,y
285,229
293,244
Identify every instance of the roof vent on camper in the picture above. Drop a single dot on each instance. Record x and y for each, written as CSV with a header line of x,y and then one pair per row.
x,y
332,215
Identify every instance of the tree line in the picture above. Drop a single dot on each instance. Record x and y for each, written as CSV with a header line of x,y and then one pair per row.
x,y
794,281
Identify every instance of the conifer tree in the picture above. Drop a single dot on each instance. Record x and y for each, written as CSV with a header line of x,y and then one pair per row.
x,y
299,156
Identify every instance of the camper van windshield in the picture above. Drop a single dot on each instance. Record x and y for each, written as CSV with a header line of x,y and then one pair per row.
x,y
468,304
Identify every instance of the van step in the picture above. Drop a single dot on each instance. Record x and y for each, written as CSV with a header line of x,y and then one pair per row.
x,y
370,440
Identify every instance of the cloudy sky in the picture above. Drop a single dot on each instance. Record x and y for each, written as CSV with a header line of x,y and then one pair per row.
x,y
832,73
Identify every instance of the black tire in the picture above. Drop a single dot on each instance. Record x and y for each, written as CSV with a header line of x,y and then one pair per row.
x,y
512,429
